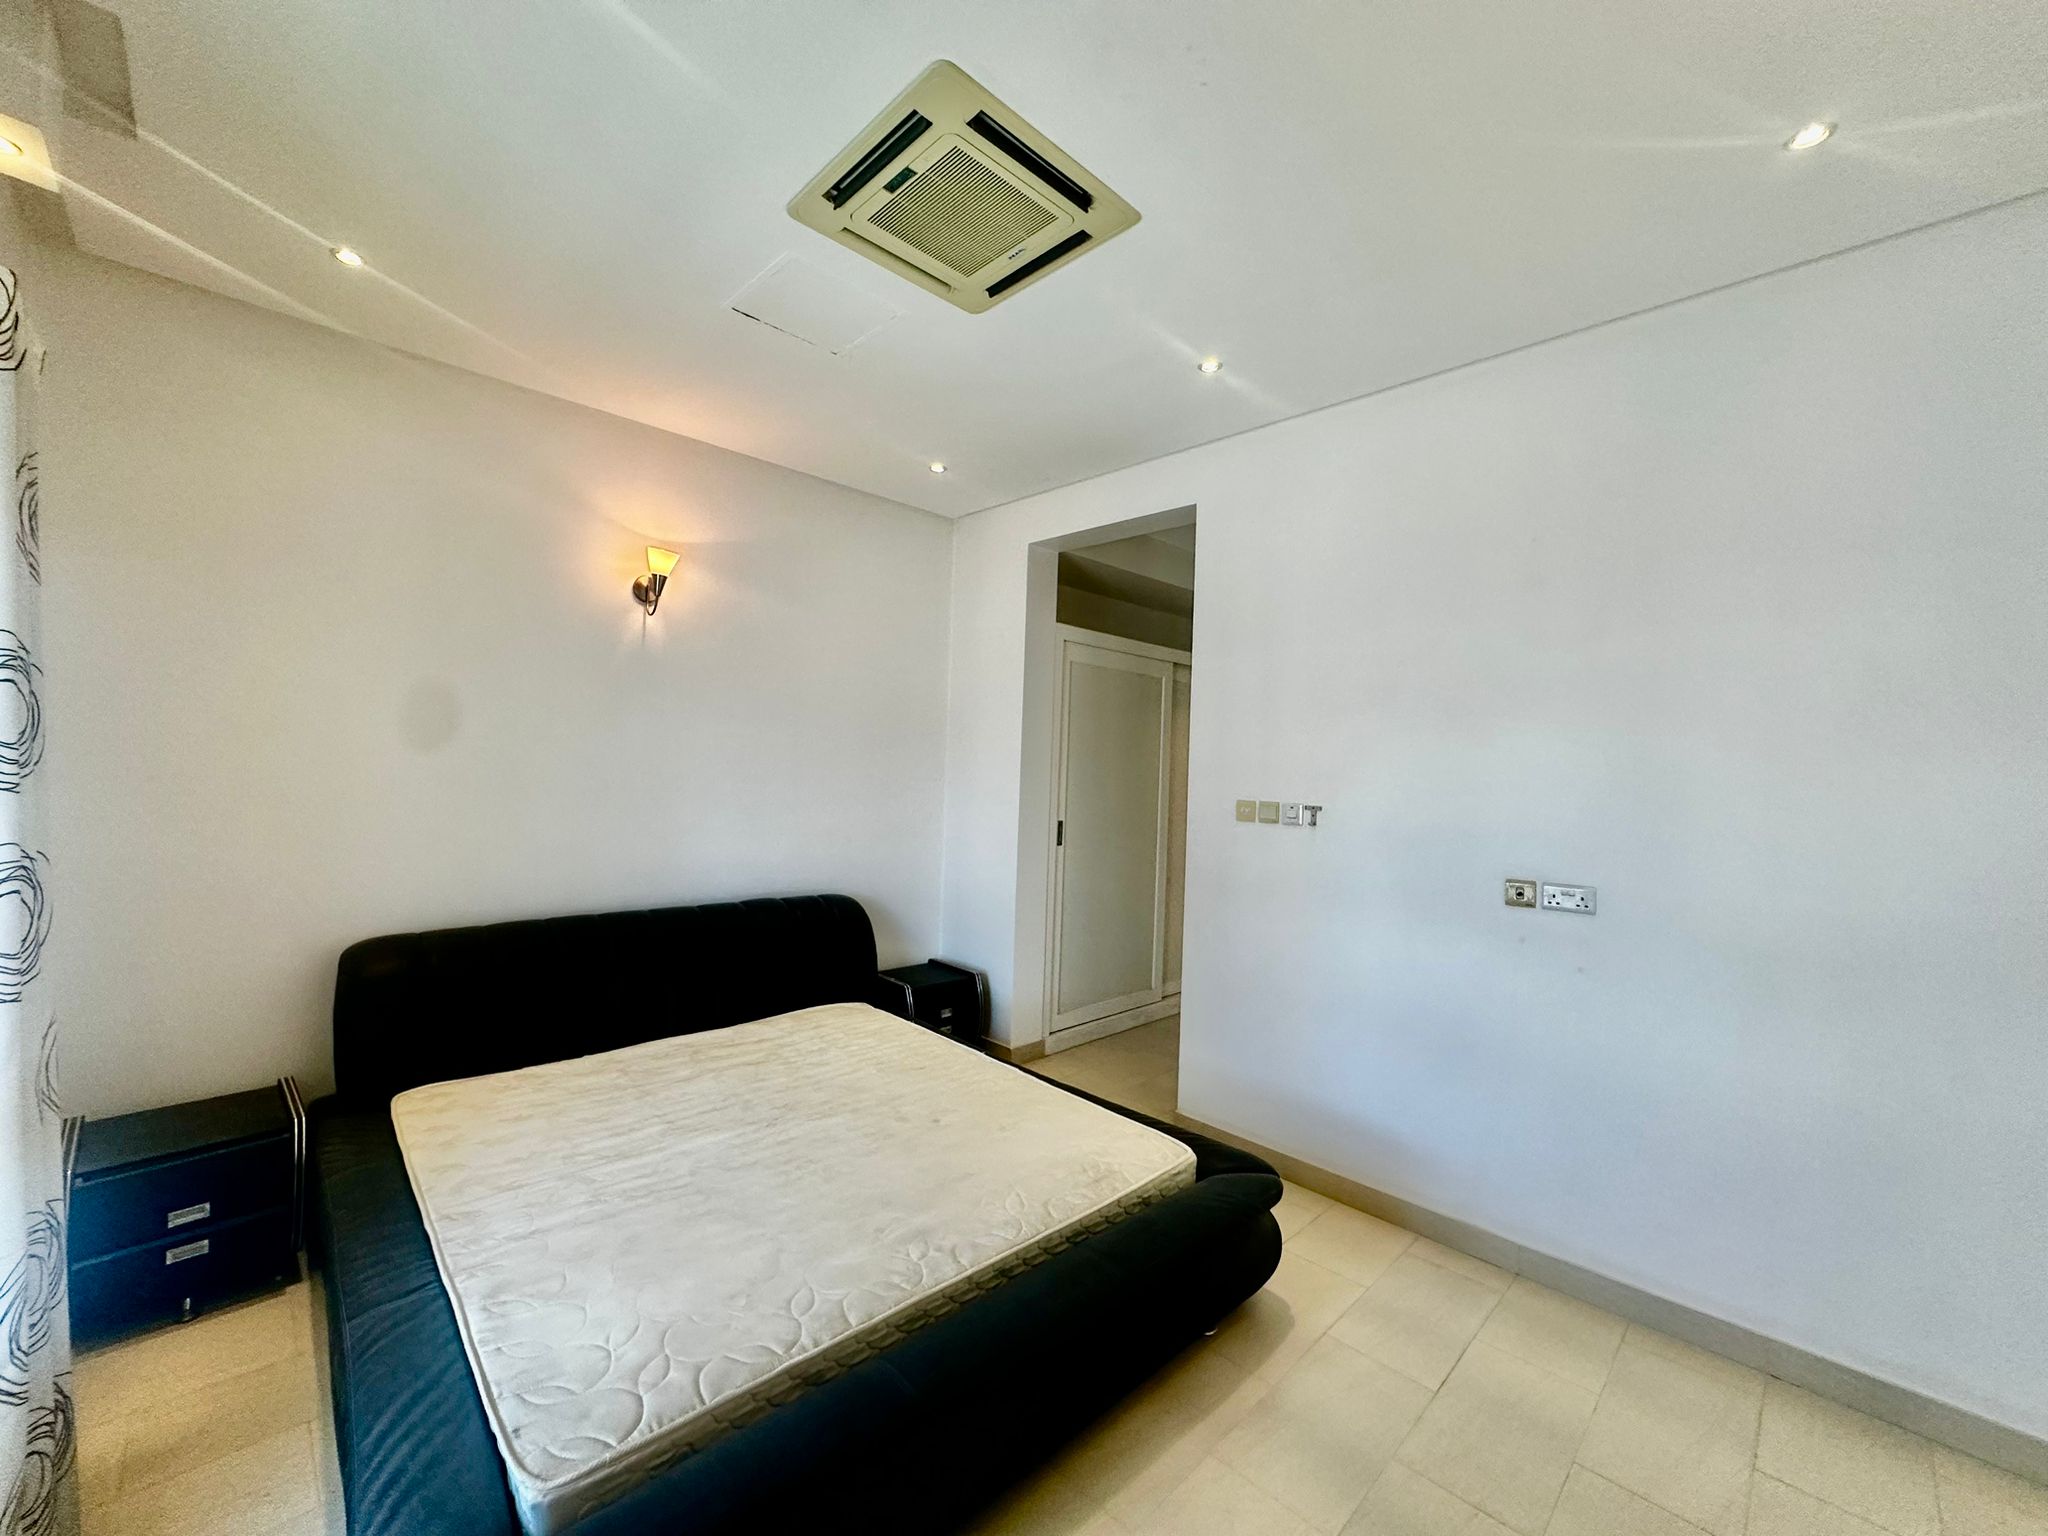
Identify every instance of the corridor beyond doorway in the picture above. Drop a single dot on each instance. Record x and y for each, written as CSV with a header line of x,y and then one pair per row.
x,y
1139,1068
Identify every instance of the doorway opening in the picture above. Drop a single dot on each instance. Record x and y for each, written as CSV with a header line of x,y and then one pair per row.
x,y
1114,846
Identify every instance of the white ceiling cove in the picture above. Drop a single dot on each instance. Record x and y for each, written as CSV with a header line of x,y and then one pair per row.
x,y
571,194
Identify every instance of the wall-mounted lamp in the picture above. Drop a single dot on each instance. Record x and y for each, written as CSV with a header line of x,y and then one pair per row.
x,y
647,589
24,155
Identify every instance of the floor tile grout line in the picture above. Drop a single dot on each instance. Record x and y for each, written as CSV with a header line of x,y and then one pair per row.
x,y
1302,1258
1459,1498
1940,1500
1298,1231
1534,1365
1537,1365
1934,1480
1467,1349
1755,1469
1345,1344
1586,1429
1600,1477
1452,1269
1756,1450
1749,1481
1386,1365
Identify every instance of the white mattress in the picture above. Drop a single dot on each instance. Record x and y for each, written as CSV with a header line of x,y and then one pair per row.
x,y
649,1247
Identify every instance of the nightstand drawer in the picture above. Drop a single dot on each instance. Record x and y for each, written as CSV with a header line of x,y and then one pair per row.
x,y
119,1210
952,1007
182,1275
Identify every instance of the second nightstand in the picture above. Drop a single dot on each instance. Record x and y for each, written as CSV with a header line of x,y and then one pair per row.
x,y
179,1209
939,995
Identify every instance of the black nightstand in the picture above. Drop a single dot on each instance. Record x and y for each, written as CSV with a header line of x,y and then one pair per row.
x,y
177,1210
939,995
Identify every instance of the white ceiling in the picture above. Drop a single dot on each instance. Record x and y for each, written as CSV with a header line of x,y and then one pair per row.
x,y
1336,197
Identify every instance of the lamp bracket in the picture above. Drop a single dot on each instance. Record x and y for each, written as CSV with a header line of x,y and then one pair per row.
x,y
647,590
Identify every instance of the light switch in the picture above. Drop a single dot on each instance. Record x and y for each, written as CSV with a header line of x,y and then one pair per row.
x,y
1290,813
1247,810
1269,810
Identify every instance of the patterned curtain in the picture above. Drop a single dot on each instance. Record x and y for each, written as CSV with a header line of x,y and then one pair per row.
x,y
36,1439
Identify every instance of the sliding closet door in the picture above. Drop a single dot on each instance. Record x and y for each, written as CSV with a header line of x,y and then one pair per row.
x,y
1111,859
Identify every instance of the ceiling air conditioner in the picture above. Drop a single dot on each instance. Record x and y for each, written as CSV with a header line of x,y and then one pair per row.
x,y
951,189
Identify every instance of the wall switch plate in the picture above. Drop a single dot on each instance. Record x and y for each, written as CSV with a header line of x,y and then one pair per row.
x,y
1269,810
1247,810
1290,813
1568,898
1520,893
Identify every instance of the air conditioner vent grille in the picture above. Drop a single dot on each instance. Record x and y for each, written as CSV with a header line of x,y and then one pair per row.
x,y
962,214
1032,161
950,189
865,169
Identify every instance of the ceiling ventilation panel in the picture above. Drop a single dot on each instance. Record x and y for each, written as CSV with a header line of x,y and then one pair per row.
x,y
951,189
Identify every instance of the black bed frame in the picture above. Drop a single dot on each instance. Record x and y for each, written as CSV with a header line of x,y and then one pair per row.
x,y
915,1439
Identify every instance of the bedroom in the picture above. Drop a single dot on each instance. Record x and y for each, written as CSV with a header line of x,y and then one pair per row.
x,y
1618,444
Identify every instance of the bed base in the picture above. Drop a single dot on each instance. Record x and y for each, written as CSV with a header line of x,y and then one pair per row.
x,y
916,1439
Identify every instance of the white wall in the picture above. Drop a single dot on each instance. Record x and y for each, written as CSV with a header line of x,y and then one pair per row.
x,y
340,643
1738,611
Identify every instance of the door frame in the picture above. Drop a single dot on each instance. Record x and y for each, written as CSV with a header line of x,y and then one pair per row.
x,y
1152,1003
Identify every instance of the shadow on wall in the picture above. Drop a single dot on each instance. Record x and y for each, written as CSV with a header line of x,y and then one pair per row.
x,y
1139,588
430,715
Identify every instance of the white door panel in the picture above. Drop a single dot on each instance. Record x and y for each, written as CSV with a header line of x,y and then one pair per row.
x,y
1116,714
1177,824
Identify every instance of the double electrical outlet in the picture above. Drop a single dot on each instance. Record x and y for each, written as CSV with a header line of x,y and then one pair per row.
x,y
1557,898
1284,813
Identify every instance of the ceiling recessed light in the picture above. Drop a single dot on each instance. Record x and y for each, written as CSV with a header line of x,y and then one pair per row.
x,y
9,147
1211,365
1810,135
936,467
347,257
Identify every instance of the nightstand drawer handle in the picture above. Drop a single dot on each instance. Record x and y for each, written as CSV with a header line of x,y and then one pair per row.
x,y
185,1251
185,1215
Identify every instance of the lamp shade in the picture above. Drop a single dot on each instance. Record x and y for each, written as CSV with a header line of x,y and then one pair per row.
x,y
661,561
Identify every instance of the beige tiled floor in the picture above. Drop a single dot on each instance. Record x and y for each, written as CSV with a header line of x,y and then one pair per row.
x,y
1380,1385
220,1427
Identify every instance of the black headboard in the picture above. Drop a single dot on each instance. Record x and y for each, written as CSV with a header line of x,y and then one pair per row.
x,y
412,1008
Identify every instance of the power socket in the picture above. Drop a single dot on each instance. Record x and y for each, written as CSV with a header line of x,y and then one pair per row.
x,y
1569,898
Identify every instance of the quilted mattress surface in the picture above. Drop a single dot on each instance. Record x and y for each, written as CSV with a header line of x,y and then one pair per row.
x,y
649,1247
